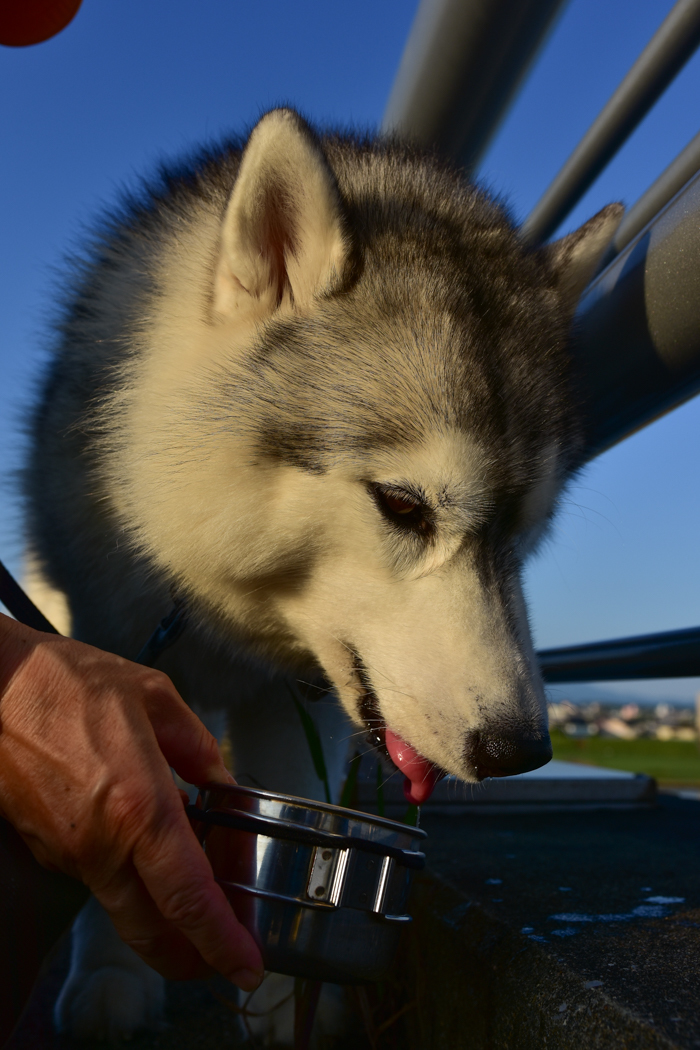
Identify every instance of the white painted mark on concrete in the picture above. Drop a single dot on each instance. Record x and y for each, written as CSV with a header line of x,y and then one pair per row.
x,y
665,900
644,911
615,917
572,916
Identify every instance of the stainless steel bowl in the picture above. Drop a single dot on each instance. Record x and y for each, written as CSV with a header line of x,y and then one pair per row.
x,y
322,889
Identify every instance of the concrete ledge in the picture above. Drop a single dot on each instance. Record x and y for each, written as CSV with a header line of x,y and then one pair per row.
x,y
556,785
478,984
557,929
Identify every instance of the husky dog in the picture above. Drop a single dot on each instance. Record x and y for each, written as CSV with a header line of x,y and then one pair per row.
x,y
319,384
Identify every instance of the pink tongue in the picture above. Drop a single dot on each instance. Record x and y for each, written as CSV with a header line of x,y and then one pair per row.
x,y
421,775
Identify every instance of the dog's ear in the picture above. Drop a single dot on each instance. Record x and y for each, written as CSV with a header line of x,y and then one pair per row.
x,y
576,257
283,238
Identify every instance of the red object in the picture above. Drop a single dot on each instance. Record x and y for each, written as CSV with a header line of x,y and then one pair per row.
x,y
24,22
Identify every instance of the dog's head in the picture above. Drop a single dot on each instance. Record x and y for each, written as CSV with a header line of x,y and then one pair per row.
x,y
383,425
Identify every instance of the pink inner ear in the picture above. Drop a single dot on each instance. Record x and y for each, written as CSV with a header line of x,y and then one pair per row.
x,y
277,229
421,775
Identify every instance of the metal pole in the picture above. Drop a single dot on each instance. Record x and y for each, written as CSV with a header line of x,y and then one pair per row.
x,y
463,63
661,60
636,344
668,184
672,654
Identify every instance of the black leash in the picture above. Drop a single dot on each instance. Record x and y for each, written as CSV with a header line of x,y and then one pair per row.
x,y
20,605
166,634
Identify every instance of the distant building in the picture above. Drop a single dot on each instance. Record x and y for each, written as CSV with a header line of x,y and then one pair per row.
x,y
628,721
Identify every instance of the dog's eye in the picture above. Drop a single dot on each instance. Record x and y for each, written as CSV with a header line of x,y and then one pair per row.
x,y
403,510
399,504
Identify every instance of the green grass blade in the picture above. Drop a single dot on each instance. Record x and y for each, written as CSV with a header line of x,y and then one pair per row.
x,y
348,797
380,789
411,816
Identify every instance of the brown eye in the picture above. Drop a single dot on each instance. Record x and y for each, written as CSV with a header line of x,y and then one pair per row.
x,y
403,510
399,504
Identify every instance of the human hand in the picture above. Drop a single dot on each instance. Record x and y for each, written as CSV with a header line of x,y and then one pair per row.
x,y
86,739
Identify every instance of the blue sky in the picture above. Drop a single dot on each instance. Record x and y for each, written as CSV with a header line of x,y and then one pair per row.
x,y
130,82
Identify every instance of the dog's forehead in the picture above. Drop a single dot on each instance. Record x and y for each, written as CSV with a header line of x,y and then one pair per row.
x,y
446,463
407,352
406,398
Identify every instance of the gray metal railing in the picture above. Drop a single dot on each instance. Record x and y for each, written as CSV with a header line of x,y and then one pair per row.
x,y
462,65
662,59
636,343
660,193
637,339
671,654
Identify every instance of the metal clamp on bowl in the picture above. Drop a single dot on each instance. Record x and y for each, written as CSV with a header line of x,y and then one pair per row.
x,y
340,878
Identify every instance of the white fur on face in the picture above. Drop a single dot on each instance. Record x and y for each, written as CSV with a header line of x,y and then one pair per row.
x,y
437,645
451,470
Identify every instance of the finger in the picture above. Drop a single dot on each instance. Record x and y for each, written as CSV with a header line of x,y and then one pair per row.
x,y
139,923
186,743
178,876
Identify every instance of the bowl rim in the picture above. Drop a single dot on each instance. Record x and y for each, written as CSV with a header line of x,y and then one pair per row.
x,y
314,804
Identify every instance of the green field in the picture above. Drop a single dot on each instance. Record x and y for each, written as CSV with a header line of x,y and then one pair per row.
x,y
672,762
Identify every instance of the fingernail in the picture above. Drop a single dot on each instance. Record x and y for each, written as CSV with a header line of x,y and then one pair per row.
x,y
230,777
247,980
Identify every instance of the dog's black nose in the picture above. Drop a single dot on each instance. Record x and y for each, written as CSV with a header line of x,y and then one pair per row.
x,y
504,754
